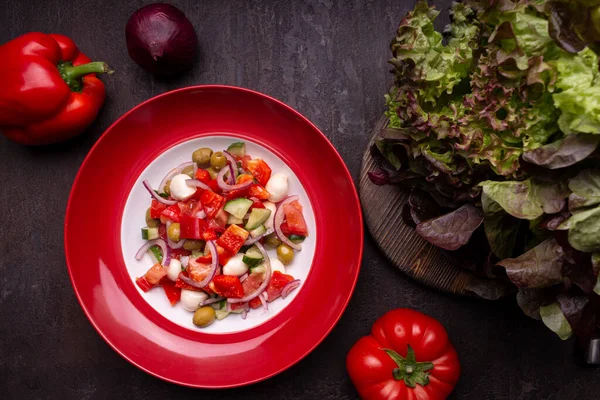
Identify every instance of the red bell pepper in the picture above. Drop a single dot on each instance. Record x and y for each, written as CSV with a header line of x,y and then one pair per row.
x,y
259,169
203,175
407,356
191,227
172,292
178,253
256,203
233,239
212,203
172,212
143,284
156,209
276,285
224,256
227,286
256,190
49,91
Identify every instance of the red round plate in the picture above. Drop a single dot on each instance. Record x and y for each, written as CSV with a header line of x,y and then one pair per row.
x,y
106,291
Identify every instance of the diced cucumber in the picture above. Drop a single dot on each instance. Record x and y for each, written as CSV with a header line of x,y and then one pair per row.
x,y
220,314
197,254
237,149
296,238
157,253
233,220
252,257
259,269
257,217
238,207
149,233
258,231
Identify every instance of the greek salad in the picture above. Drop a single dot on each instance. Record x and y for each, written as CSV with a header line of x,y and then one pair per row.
x,y
206,231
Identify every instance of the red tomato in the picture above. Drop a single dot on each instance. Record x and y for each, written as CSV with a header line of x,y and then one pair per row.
x,y
276,284
143,284
172,212
155,274
221,218
211,202
178,253
227,286
252,282
209,233
197,271
191,227
407,356
233,239
214,186
203,175
255,302
259,169
224,256
237,306
294,220
236,194
187,207
156,209
244,161
259,192
172,292
162,231
256,203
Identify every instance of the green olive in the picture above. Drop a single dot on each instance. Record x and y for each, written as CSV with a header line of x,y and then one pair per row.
x,y
285,254
218,161
189,171
272,240
167,189
212,172
202,156
204,316
193,245
151,222
174,231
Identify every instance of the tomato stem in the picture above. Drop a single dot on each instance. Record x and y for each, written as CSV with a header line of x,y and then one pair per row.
x,y
409,370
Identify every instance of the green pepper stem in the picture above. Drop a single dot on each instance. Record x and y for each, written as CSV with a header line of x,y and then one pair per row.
x,y
96,67
409,369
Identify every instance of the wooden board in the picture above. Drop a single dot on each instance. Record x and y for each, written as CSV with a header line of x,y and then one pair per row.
x,y
382,208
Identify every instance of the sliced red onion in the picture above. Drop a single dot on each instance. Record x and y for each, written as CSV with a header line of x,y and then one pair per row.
x,y
263,285
263,300
184,261
228,307
232,164
172,244
156,242
228,187
252,240
156,195
195,169
287,289
197,183
244,314
215,263
243,277
190,281
278,220
211,301
231,175
171,174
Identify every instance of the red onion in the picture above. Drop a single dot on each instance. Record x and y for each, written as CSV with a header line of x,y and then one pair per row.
x,y
227,187
156,242
184,261
156,195
171,174
244,314
243,277
263,285
263,300
233,165
287,289
215,263
161,39
190,281
256,239
197,183
278,220
211,301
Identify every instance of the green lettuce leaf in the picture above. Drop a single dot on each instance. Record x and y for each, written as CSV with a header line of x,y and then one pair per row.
x,y
584,230
586,189
563,152
500,227
554,319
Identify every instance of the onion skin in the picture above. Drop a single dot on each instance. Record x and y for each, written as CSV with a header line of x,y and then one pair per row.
x,y
161,39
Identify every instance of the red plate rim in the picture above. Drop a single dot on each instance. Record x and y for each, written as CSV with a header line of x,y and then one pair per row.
x,y
347,176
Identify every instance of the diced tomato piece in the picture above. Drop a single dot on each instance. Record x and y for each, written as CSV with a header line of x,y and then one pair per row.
x,y
296,204
209,234
256,203
233,239
197,270
173,292
252,282
203,175
259,192
224,256
155,274
162,231
259,169
276,285
143,284
182,285
294,220
255,302
211,202
214,186
187,207
172,212
237,306
178,253
156,209
244,161
227,286
221,218
191,227
236,194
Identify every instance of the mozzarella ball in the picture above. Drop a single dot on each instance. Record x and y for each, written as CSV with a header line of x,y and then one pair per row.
x,y
235,266
190,299
174,269
271,207
278,187
277,265
179,189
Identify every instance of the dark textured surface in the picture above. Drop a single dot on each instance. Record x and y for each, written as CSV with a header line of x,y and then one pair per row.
x,y
325,58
